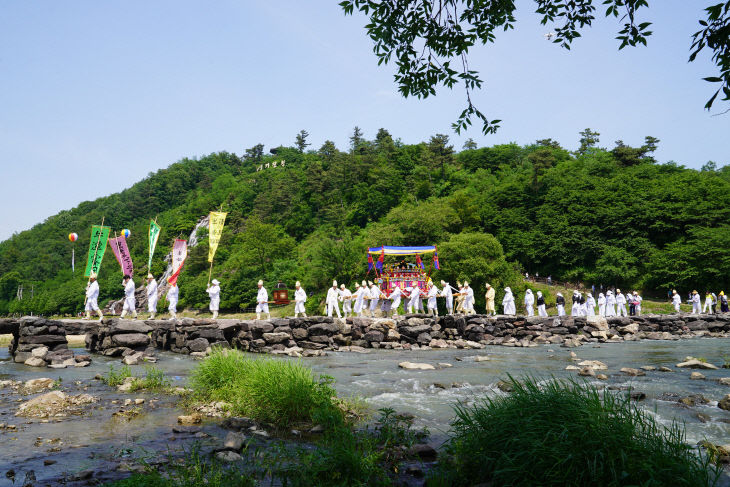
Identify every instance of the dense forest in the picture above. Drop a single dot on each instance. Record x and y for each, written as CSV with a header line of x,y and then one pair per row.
x,y
611,216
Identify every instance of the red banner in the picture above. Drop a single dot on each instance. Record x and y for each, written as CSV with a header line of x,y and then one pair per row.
x,y
179,254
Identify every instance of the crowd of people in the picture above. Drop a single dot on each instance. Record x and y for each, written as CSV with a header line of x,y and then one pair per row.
x,y
368,297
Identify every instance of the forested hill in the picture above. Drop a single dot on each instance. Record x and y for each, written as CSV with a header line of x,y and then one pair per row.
x,y
610,216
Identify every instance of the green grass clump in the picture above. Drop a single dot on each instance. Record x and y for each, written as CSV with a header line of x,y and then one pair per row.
x,y
276,391
154,380
567,433
116,377
191,472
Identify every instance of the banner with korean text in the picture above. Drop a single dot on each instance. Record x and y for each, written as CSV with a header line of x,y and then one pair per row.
x,y
179,254
99,236
121,252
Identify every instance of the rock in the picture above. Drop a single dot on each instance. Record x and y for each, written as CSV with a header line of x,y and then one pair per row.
x,y
665,369
132,359
572,343
36,385
725,381
481,358
228,456
415,366
697,376
52,404
587,372
374,336
438,343
35,362
572,367
648,368
279,337
197,345
637,396
704,418
423,451
317,429
39,352
139,401
601,377
234,441
724,403
693,400
505,386
194,418
85,363
696,364
632,328
444,365
594,364
131,340
632,372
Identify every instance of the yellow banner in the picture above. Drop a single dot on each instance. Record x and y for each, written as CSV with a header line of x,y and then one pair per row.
x,y
215,229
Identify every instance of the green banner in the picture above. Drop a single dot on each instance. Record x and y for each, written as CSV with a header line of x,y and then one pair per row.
x,y
99,236
154,234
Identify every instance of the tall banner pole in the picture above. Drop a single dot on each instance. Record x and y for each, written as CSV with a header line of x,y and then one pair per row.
x,y
98,241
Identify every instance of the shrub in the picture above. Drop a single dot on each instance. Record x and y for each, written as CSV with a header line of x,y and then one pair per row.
x,y
275,391
567,433
154,380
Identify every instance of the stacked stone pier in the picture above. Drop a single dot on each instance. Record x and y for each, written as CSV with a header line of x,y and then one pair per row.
x,y
39,342
315,335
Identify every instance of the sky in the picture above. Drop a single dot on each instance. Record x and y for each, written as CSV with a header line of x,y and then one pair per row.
x,y
94,95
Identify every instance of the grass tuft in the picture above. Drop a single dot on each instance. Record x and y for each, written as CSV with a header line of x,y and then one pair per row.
x,y
276,391
567,433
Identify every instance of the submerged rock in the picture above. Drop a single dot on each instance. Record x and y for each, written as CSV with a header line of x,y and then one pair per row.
x,y
52,404
415,366
693,363
632,372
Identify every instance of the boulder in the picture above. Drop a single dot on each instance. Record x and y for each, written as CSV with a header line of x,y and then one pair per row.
x,y
632,372
724,403
374,336
587,372
325,329
276,337
632,328
415,366
594,364
36,385
197,345
696,364
228,456
697,376
131,340
234,441
191,419
35,362
129,326
39,352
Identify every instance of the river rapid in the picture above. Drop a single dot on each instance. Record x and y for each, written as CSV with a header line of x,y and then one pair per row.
x,y
100,441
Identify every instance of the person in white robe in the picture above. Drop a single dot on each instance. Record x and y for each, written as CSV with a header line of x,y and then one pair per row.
x,y
414,294
560,304
575,309
621,302
374,298
601,304
151,295
360,292
449,297
469,299
346,299
695,302
395,298
610,304
92,297
432,294
214,293
262,301
676,300
590,305
541,311
707,307
173,293
130,305
529,302
637,299
333,295
508,302
300,297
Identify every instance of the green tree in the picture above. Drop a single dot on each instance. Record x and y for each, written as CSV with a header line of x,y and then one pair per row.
x,y
430,41
469,144
588,140
301,140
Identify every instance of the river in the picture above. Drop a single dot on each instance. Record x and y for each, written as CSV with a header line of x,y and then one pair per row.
x,y
89,441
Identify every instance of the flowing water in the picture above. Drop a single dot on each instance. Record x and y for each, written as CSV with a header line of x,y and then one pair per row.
x,y
430,395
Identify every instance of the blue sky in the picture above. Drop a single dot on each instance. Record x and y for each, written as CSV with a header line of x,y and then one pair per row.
x,y
96,95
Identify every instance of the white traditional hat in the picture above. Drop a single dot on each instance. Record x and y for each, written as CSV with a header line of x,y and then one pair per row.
x,y
443,283
364,283
298,284
618,290
370,283
215,281
92,275
357,284
342,286
466,284
261,283
334,283
150,276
